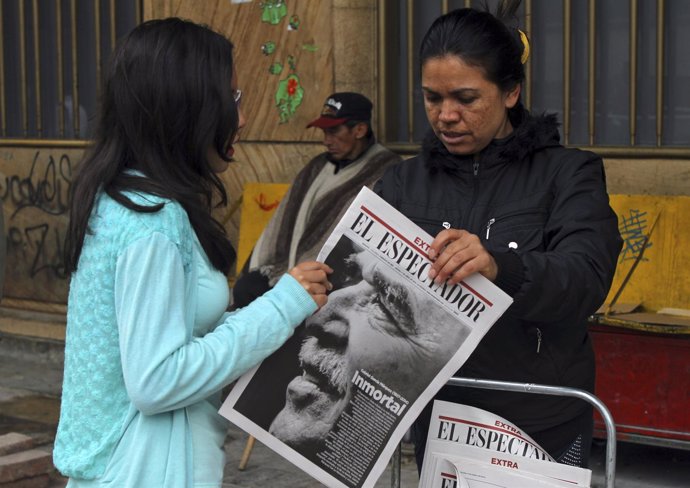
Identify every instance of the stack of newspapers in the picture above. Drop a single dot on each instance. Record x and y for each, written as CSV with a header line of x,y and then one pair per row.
x,y
470,448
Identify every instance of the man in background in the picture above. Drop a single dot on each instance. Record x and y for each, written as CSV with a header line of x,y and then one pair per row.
x,y
319,195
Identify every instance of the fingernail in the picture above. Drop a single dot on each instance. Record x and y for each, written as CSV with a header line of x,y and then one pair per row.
x,y
432,273
432,254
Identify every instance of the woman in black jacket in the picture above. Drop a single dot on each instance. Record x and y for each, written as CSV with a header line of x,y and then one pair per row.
x,y
503,198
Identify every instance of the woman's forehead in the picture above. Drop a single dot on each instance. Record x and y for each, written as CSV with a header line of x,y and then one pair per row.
x,y
453,70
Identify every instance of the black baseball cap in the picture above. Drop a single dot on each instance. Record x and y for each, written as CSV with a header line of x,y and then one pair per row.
x,y
341,107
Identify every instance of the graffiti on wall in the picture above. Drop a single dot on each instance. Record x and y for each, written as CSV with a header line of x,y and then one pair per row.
x,y
633,228
34,188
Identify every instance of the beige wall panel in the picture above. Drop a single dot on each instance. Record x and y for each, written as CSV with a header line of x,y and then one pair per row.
x,y
157,8
355,55
648,176
34,185
311,46
366,4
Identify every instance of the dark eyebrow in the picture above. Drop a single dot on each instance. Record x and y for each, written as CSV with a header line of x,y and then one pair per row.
x,y
458,92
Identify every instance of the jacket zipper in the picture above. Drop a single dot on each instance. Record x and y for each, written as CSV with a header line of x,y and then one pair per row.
x,y
538,339
488,227
475,189
492,221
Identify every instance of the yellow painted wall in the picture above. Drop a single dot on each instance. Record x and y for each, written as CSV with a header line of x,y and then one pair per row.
x,y
662,277
259,203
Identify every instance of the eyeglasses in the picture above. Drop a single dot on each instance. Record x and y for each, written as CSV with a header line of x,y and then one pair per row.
x,y
237,96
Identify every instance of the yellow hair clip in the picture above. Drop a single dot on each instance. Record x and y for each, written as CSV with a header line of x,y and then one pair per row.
x,y
525,50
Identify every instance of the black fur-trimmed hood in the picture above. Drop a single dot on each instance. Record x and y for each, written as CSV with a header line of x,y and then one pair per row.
x,y
531,134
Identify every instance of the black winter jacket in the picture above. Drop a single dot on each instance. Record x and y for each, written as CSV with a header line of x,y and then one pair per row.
x,y
542,211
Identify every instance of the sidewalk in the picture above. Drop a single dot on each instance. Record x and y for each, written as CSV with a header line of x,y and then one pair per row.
x,y
29,392
30,384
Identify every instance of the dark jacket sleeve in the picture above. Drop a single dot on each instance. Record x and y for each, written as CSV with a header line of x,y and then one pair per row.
x,y
249,286
388,185
571,278
378,186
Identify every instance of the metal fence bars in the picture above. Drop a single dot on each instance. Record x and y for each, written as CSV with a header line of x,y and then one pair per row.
x,y
610,467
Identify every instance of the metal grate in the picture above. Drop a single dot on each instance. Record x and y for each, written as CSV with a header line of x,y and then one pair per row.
x,y
613,71
51,56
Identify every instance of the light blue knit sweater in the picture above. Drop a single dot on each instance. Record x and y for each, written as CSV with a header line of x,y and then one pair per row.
x,y
130,357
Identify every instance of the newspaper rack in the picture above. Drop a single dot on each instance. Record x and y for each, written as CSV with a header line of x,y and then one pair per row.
x,y
610,466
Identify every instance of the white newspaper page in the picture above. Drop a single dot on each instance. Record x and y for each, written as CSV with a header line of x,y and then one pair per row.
x,y
337,398
462,434
454,473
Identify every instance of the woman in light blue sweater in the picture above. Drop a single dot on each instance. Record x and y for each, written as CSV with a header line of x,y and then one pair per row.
x,y
149,345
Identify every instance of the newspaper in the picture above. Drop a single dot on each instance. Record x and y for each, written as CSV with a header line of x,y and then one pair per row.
x,y
338,397
470,447
460,473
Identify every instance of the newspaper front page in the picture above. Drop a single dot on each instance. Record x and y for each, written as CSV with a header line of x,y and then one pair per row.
x,y
470,447
337,398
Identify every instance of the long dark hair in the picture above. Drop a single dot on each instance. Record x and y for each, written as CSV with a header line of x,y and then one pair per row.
x,y
167,99
481,39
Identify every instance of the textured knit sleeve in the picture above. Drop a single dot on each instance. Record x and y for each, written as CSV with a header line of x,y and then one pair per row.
x,y
165,368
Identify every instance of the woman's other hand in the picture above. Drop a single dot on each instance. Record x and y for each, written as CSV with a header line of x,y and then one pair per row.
x,y
456,254
313,276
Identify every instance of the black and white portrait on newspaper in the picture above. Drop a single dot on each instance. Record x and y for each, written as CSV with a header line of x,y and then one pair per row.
x,y
337,398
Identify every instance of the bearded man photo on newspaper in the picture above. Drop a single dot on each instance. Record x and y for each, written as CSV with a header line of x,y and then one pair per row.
x,y
372,336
